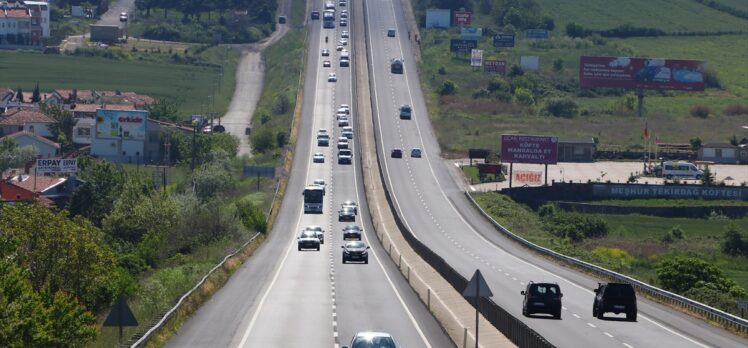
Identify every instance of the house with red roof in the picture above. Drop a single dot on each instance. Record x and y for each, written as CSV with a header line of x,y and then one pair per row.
x,y
47,189
45,148
25,120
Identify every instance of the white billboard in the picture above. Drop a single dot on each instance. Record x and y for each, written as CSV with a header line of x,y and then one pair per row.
x,y
437,18
57,165
476,57
529,62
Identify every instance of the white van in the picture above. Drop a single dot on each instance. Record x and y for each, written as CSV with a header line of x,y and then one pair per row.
x,y
684,170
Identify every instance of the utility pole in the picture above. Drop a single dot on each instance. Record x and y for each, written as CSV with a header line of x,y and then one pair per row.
x,y
194,148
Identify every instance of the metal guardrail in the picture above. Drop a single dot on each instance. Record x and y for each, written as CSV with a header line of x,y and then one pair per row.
x,y
147,335
708,312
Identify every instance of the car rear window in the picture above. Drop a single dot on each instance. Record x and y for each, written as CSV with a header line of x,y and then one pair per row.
x,y
619,290
545,289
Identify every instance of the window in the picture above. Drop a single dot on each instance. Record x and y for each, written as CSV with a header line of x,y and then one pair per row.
x,y
718,153
84,132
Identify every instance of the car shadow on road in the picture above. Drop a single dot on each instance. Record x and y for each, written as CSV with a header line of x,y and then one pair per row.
x,y
616,319
543,316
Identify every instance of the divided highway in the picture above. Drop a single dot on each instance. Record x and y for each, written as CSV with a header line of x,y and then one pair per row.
x,y
435,209
283,297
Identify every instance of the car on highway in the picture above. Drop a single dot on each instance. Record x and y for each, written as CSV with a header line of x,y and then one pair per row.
x,y
332,77
343,23
614,297
315,14
343,122
339,48
391,32
396,153
123,17
351,204
325,52
343,144
345,62
344,34
406,111
322,131
357,251
341,3
352,232
308,240
396,66
320,183
345,156
347,132
323,140
415,152
346,214
345,106
318,158
542,298
372,340
344,109
318,231
326,64
343,42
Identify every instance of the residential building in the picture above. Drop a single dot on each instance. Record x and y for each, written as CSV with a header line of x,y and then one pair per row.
x,y
82,131
718,153
15,24
89,110
39,17
71,96
45,148
49,189
25,120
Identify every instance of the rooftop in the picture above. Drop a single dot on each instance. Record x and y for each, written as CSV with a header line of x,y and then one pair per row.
x,y
18,117
32,135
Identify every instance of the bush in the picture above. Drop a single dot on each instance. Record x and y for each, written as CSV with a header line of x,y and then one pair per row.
x,y
281,138
562,107
281,104
442,70
681,274
252,216
523,96
701,111
711,80
733,243
262,140
498,83
481,93
736,109
574,226
448,88
558,64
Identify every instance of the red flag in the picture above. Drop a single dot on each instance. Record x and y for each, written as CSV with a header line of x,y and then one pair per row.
x,y
646,130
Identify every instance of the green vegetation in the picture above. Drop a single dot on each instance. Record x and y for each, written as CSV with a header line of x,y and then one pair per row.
x,y
239,21
475,178
187,85
477,108
641,246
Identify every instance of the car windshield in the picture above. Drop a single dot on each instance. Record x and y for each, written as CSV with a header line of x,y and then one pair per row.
x,y
345,152
355,245
308,234
373,342
314,228
544,290
352,227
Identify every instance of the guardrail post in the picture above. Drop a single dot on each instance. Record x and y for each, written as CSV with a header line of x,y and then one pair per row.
x,y
400,261
428,298
408,277
464,338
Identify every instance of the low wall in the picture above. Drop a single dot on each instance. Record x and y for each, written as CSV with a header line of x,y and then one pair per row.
x,y
731,211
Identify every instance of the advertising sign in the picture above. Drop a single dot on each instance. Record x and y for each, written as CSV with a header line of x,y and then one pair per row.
x,y
57,165
437,18
536,34
486,168
503,40
456,45
531,63
462,18
527,176
121,124
625,72
471,33
494,66
529,149
478,153
659,191
476,57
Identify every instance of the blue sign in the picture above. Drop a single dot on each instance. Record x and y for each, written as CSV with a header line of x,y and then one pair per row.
x,y
462,45
503,40
471,33
536,34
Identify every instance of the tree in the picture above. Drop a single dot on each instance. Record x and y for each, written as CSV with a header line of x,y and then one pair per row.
x,y
733,243
36,96
211,179
63,128
708,178
695,143
262,139
164,109
95,198
562,107
61,254
13,156
679,274
448,87
523,96
19,95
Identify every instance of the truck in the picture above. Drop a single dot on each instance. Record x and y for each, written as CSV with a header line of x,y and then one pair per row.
x,y
328,19
105,33
313,199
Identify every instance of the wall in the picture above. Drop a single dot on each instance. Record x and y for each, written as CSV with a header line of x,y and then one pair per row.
x,y
732,211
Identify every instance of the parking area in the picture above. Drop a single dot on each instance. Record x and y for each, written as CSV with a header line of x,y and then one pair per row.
x,y
618,172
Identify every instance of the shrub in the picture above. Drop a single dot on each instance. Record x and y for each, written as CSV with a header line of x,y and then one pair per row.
x,y
442,70
695,143
575,227
562,107
733,243
252,216
448,88
281,104
481,93
736,109
262,140
281,138
498,83
558,64
711,80
523,96
701,111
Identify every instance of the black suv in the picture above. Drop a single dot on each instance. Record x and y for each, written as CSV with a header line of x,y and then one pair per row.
x,y
615,297
542,298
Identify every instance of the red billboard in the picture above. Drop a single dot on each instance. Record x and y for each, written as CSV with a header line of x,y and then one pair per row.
x,y
648,73
529,149
494,66
462,18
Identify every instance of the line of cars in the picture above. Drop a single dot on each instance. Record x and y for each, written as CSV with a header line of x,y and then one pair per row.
x,y
545,298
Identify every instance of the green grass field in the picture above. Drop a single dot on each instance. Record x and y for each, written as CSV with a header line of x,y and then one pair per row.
x,y
737,4
189,85
637,235
670,16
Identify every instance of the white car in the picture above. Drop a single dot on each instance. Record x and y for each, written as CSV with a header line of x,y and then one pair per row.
x,y
351,204
318,231
320,183
343,122
326,64
343,110
372,339
123,17
344,34
343,42
343,144
347,132
318,158
415,153
332,77
325,52
345,106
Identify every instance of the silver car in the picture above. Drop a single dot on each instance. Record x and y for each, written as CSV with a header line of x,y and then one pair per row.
x,y
372,339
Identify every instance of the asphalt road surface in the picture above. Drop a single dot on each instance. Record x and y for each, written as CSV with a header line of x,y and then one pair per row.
x,y
282,297
437,212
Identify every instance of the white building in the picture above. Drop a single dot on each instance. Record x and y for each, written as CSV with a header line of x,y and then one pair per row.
x,y
40,11
25,120
15,24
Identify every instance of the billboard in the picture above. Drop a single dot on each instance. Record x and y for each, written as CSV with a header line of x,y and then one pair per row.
x,y
471,33
476,57
626,72
527,176
462,18
536,34
57,165
531,63
503,40
671,191
121,124
437,18
478,153
486,168
529,149
456,45
495,66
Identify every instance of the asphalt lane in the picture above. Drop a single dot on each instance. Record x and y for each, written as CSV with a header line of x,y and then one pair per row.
x,y
285,297
436,210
